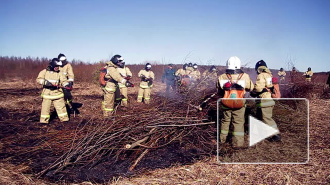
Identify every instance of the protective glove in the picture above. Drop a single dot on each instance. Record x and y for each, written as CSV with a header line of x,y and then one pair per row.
x,y
253,94
48,84
264,90
129,84
70,84
143,78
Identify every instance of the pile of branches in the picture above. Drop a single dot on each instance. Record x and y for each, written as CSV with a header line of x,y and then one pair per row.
x,y
138,132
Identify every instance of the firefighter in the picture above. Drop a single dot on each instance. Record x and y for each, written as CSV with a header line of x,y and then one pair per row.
x,y
262,89
109,79
147,78
180,74
169,76
52,80
121,93
281,73
308,75
67,70
293,75
210,75
234,77
195,74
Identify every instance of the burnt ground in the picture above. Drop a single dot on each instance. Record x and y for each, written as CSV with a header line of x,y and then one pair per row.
x,y
23,141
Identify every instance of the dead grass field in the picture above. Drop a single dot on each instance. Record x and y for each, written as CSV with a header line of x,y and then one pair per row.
x,y
26,149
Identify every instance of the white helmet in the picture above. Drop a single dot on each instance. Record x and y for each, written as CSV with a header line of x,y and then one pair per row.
x,y
234,63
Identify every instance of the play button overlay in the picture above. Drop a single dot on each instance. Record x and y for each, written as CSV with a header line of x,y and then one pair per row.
x,y
259,131
291,116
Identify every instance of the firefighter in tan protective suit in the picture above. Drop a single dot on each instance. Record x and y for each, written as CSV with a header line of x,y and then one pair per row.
x,y
308,74
195,74
210,76
53,81
121,93
233,78
262,89
109,79
147,78
281,73
67,70
180,74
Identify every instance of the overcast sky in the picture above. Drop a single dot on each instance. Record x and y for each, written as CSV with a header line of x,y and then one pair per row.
x,y
202,31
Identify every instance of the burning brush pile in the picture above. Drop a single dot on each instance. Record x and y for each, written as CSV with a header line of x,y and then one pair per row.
x,y
169,125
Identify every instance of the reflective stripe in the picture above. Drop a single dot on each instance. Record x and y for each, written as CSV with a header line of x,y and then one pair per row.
x,y
147,98
274,126
121,85
144,86
140,96
70,79
224,131
45,116
238,133
123,81
52,81
266,104
52,97
107,109
63,114
103,106
124,99
109,89
41,81
118,98
65,73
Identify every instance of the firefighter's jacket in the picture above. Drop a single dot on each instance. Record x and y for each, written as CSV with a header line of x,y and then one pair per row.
x,y
148,75
57,79
110,77
192,73
281,73
180,72
264,80
210,75
68,72
244,81
308,74
124,72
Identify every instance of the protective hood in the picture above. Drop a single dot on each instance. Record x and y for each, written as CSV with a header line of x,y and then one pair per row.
x,y
110,64
263,69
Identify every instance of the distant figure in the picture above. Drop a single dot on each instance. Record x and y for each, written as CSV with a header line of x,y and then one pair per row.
x,y
293,75
122,91
328,82
67,70
169,76
147,78
281,73
308,75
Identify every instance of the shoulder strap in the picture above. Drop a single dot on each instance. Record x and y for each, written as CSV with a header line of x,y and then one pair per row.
x,y
229,77
239,77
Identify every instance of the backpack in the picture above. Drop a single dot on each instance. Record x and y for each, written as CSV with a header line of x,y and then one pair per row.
x,y
276,90
232,91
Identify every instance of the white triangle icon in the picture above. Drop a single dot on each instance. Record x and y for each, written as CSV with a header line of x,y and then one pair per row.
x,y
259,131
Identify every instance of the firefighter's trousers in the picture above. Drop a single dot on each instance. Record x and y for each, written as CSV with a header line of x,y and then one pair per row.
x,y
60,108
144,93
122,96
265,114
237,118
308,79
108,100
